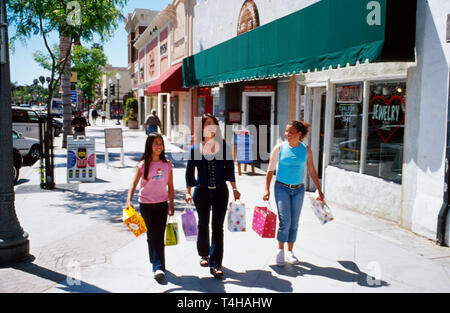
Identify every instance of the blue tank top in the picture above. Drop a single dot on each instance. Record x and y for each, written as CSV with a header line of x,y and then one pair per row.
x,y
291,164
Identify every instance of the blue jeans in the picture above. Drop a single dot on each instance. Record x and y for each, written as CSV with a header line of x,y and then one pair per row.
x,y
289,203
152,129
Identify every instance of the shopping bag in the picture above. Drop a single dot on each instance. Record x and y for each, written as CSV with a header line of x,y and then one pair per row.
x,y
134,221
264,222
321,210
189,223
171,233
236,217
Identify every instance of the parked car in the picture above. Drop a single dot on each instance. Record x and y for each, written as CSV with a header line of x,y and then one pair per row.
x,y
26,121
29,148
17,164
57,125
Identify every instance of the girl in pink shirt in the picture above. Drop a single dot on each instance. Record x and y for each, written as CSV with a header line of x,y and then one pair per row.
x,y
156,198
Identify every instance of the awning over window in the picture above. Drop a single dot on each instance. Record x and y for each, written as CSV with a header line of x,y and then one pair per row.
x,y
328,33
170,80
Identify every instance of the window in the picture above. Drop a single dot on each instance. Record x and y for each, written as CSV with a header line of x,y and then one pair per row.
x,y
34,118
19,116
346,146
386,125
385,129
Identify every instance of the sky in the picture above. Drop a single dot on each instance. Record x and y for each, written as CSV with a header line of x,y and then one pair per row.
x,y
24,70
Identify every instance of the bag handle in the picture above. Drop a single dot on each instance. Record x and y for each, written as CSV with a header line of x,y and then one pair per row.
x,y
189,207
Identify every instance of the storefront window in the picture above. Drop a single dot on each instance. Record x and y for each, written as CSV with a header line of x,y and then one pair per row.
x,y
386,130
346,145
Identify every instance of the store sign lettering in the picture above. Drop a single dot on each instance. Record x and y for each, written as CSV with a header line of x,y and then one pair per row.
x,y
349,94
387,113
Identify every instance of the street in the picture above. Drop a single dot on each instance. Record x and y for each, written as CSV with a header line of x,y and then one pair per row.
x,y
79,243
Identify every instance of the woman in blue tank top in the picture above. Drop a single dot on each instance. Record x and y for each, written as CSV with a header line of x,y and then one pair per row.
x,y
291,156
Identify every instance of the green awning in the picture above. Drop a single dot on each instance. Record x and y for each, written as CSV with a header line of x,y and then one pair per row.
x,y
328,33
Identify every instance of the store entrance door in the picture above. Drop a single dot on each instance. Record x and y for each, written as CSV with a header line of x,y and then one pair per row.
x,y
316,108
259,117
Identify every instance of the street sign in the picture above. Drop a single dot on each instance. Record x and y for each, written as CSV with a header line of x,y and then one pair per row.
x,y
74,96
73,77
114,139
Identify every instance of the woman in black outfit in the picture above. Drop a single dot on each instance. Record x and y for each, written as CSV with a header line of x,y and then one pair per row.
x,y
213,159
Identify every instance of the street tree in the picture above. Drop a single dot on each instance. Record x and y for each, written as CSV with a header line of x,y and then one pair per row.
x,y
88,65
73,21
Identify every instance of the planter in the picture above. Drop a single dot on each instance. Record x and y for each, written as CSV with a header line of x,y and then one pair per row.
x,y
133,124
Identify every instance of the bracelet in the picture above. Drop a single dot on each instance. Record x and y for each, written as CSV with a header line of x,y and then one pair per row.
x,y
234,189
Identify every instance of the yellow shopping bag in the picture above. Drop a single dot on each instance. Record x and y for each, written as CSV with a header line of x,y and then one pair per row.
x,y
171,233
134,221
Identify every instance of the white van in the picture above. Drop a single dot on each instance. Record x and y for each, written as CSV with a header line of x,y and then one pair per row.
x,y
25,121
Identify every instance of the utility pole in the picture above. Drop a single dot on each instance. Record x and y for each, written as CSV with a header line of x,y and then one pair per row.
x,y
14,244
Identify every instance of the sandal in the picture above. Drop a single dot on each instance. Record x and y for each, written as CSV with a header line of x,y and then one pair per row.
x,y
204,261
216,272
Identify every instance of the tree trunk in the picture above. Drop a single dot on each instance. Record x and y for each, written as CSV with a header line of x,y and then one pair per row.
x,y
64,47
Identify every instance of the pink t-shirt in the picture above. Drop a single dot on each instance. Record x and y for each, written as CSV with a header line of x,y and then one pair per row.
x,y
154,190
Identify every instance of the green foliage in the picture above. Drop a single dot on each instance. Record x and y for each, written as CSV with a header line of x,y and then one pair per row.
x,y
131,107
87,63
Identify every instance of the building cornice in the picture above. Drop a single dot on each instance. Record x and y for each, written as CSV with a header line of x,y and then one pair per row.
x,y
163,17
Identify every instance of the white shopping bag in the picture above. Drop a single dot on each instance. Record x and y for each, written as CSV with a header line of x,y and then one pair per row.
x,y
321,210
236,217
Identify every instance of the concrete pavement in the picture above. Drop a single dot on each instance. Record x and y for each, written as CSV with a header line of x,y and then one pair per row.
x,y
79,244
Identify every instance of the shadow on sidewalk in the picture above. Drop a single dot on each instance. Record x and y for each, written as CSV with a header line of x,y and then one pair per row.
x,y
356,275
249,279
71,284
110,203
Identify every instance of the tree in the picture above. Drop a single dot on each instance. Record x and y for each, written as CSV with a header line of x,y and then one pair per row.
x,y
73,20
87,63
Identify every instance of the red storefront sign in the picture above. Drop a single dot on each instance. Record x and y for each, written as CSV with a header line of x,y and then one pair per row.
x,y
262,88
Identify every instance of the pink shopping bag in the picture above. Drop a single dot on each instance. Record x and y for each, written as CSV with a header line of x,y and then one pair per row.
x,y
264,222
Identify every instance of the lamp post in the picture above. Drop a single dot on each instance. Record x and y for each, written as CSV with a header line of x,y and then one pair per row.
x,y
118,93
14,244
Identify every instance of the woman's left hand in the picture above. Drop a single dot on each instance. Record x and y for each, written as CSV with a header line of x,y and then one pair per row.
x,y
237,194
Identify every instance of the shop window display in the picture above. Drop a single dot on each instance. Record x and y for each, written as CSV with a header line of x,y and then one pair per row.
x,y
386,124
346,147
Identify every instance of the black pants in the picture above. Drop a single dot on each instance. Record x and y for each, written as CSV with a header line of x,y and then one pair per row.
x,y
155,217
206,199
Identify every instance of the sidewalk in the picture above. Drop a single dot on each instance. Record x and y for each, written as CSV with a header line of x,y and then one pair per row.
x,y
78,242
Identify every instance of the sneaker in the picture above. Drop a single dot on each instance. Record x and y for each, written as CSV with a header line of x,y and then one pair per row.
x,y
159,274
280,258
291,258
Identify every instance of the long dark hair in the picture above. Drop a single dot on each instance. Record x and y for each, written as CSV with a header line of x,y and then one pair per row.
x,y
147,156
198,138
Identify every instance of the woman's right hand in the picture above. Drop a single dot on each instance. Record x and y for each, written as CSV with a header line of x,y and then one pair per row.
x,y
266,195
130,204
188,198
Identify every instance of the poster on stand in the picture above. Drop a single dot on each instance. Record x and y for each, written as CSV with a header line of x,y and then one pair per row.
x,y
81,165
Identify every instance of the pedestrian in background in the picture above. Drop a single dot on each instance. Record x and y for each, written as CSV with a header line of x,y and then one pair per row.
x,y
291,157
79,125
152,122
213,159
156,198
103,115
94,116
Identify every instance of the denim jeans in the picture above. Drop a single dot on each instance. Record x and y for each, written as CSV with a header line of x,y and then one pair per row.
x,y
206,200
155,217
289,203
